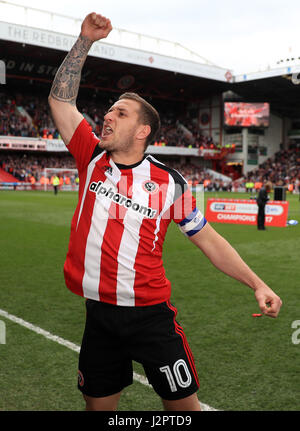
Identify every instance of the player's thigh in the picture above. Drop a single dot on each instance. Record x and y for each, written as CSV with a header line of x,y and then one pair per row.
x,y
104,366
190,403
109,403
166,356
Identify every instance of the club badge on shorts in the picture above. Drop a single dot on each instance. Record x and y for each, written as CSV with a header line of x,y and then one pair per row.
x,y
80,378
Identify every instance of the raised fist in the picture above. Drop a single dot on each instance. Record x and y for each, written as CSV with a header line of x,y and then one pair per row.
x,y
95,27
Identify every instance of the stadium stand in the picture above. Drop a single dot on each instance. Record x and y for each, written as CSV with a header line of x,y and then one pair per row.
x,y
190,104
281,170
7,177
25,166
24,114
29,116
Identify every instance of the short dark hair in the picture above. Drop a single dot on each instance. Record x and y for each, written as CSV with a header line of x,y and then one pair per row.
x,y
148,115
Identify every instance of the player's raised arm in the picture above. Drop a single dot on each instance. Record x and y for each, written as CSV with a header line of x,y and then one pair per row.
x,y
64,90
224,257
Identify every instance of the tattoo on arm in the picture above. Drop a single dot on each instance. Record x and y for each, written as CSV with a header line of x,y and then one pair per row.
x,y
67,79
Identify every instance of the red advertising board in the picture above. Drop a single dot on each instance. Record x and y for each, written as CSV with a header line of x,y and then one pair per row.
x,y
242,211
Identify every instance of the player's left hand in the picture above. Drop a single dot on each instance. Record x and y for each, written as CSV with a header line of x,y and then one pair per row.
x,y
268,301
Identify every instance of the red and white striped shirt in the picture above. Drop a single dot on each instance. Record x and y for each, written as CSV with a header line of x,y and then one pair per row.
x,y
119,225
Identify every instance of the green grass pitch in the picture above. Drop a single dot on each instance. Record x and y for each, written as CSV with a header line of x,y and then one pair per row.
x,y
244,363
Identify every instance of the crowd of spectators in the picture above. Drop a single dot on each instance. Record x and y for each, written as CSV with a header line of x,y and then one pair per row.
x,y
25,116
199,175
12,122
281,170
29,116
177,135
28,167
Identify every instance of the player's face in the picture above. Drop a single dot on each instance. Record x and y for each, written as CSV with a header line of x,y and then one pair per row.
x,y
120,126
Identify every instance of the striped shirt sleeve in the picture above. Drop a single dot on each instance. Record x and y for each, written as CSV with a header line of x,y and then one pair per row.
x,y
82,144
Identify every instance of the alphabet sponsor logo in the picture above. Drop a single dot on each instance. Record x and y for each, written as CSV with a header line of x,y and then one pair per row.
x,y
121,200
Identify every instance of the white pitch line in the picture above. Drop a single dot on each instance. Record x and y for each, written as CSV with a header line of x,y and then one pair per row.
x,y
139,378
40,331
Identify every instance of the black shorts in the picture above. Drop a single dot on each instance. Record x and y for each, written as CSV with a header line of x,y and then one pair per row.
x,y
115,336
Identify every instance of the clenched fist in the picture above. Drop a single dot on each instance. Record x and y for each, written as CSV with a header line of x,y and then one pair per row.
x,y
95,27
268,301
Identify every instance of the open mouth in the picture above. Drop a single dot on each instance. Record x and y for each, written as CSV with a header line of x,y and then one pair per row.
x,y
106,131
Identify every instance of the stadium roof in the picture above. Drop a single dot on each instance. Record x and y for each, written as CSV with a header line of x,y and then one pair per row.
x,y
33,63
35,53
50,21
43,28
282,91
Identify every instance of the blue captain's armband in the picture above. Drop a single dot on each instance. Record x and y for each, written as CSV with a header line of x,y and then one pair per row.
x,y
193,223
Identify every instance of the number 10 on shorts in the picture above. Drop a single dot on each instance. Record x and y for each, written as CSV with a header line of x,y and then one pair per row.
x,y
176,377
